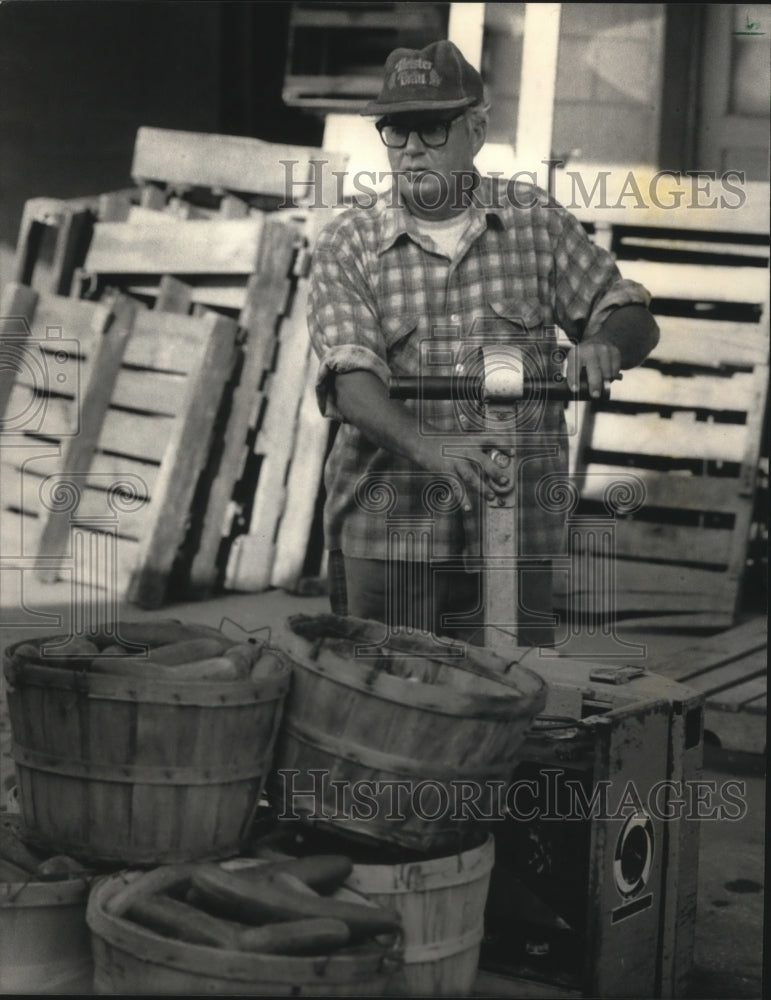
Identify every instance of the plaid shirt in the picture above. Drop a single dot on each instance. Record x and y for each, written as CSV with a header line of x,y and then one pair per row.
x,y
382,298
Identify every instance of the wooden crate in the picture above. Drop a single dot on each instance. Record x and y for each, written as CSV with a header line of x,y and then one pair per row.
x,y
684,433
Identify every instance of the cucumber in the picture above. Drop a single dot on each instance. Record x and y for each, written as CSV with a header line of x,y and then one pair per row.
x,y
180,920
322,872
147,668
177,919
61,866
270,900
163,879
74,654
243,656
161,632
314,936
189,650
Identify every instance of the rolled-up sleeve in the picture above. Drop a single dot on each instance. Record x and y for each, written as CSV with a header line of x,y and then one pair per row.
x,y
343,323
588,285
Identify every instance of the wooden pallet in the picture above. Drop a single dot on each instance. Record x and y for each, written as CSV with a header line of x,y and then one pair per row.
x,y
682,435
60,358
730,669
120,455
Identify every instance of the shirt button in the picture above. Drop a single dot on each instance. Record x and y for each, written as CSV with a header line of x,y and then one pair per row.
x,y
454,318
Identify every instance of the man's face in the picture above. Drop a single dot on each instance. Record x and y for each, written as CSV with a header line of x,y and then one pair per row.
x,y
429,177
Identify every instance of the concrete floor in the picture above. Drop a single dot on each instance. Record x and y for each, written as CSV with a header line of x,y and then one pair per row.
x,y
729,927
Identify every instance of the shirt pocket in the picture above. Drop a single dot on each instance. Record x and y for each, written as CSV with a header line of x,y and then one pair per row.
x,y
522,321
526,315
399,335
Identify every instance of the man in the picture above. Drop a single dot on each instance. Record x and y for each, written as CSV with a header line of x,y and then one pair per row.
x,y
447,260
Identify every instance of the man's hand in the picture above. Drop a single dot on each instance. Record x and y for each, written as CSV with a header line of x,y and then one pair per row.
x,y
599,359
625,339
481,466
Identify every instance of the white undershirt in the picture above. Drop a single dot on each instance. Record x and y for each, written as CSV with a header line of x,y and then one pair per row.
x,y
445,234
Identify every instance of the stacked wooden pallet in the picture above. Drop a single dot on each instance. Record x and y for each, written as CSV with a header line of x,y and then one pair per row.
x,y
667,469
212,383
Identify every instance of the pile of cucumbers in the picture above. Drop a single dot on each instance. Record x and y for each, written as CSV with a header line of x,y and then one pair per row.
x,y
160,650
268,907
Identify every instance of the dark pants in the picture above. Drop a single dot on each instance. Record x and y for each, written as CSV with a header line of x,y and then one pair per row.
x,y
434,598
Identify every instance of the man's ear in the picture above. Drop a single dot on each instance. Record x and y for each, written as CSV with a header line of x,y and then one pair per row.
x,y
478,131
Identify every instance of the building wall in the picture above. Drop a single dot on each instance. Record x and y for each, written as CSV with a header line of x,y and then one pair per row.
x,y
78,78
608,91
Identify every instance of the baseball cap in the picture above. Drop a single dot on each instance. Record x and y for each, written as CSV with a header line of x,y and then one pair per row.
x,y
436,78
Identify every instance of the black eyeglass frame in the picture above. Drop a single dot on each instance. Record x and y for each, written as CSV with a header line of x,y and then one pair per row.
x,y
447,123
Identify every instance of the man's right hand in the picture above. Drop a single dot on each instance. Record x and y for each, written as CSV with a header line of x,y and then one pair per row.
x,y
469,461
481,466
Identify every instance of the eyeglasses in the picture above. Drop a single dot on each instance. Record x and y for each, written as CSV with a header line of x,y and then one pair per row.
x,y
431,133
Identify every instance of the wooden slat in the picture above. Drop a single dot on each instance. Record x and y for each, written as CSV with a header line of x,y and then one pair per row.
x,y
671,542
646,385
714,650
163,341
173,296
139,214
30,494
267,295
231,163
744,695
172,247
678,491
51,416
104,563
71,222
719,681
99,374
251,557
186,451
224,294
697,282
680,437
641,586
156,392
21,492
139,436
16,302
709,342
742,732
80,323
305,474
692,244
105,470
757,411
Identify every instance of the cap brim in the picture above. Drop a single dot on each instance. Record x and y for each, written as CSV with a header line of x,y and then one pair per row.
x,y
375,109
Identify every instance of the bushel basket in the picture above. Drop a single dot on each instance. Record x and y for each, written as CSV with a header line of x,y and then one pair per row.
x,y
397,738
121,769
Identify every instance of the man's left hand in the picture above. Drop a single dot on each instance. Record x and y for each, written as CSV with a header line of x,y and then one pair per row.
x,y
600,360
